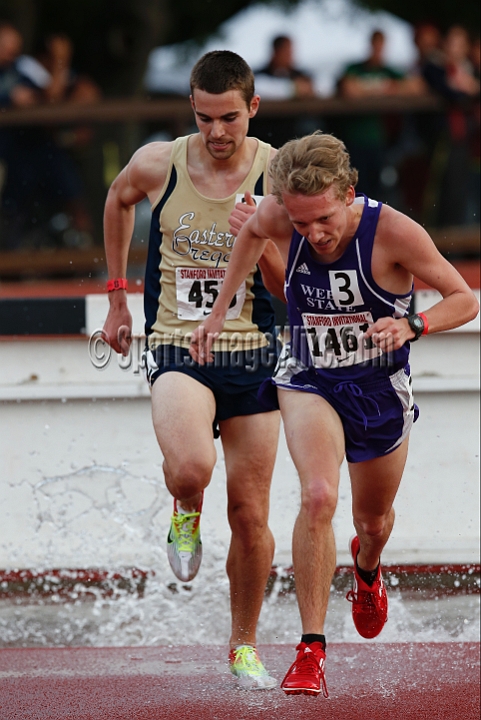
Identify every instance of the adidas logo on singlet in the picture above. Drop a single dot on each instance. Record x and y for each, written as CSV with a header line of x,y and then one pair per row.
x,y
303,269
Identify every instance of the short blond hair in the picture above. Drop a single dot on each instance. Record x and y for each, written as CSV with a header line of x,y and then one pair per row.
x,y
311,165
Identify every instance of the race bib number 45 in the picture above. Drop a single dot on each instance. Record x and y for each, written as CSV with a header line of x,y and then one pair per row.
x,y
339,340
197,289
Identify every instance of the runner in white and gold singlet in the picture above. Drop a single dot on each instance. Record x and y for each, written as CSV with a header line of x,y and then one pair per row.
x,y
190,246
201,189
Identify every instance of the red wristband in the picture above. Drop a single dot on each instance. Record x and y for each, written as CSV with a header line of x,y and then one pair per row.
x,y
426,323
117,284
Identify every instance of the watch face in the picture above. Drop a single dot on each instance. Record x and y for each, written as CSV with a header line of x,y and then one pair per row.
x,y
416,324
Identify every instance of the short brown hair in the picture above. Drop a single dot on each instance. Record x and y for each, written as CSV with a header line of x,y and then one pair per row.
x,y
220,71
310,165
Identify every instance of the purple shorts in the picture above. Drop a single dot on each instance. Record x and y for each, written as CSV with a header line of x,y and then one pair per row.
x,y
377,410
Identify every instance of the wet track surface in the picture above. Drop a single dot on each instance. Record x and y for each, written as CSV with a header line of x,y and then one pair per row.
x,y
399,681
119,658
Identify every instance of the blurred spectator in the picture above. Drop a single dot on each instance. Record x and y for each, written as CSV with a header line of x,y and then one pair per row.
x,y
459,70
43,197
280,79
366,136
416,167
281,67
444,64
449,72
16,90
51,70
457,191
428,40
373,77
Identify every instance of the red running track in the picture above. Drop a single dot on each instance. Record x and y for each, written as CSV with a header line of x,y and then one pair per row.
x,y
418,681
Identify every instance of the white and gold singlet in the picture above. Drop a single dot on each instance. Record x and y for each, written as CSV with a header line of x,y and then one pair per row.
x,y
189,248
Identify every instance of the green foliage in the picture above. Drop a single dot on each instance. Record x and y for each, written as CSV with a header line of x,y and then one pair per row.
x,y
443,13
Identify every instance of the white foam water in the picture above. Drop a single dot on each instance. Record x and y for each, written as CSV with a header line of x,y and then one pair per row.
x,y
198,613
97,511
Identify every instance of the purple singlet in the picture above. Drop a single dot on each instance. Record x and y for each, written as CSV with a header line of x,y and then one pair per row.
x,y
330,306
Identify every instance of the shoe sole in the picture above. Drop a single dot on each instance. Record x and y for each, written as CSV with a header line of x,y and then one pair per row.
x,y
301,691
171,556
247,683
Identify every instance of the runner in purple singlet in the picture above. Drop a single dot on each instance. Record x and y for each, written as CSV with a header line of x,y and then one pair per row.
x,y
343,381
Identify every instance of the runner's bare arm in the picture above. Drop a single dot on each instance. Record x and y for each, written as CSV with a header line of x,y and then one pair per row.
x,y
270,263
407,245
270,221
144,176
273,270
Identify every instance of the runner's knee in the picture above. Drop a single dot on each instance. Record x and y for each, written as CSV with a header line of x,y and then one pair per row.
x,y
248,522
188,478
319,501
373,526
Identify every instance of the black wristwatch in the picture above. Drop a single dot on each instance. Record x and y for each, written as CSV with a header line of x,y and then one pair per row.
x,y
416,323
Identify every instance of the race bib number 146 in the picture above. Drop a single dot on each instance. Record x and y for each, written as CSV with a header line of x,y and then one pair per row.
x,y
197,289
339,340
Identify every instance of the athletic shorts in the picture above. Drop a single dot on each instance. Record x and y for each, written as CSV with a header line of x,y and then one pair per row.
x,y
233,377
377,412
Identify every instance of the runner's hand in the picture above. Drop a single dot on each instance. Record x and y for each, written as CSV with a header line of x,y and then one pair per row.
x,y
117,330
390,333
203,339
241,213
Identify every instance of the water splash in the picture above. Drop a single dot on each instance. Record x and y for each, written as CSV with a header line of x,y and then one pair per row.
x,y
97,511
198,613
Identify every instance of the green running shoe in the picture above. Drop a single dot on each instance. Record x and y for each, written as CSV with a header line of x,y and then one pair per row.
x,y
245,664
184,546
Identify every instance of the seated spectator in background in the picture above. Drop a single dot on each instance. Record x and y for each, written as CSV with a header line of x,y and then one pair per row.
x,y
41,182
459,69
449,73
425,127
373,77
365,135
280,79
428,41
16,90
281,66
446,67
463,122
51,70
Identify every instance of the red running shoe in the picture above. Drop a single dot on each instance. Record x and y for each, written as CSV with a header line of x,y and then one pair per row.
x,y
369,603
306,674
